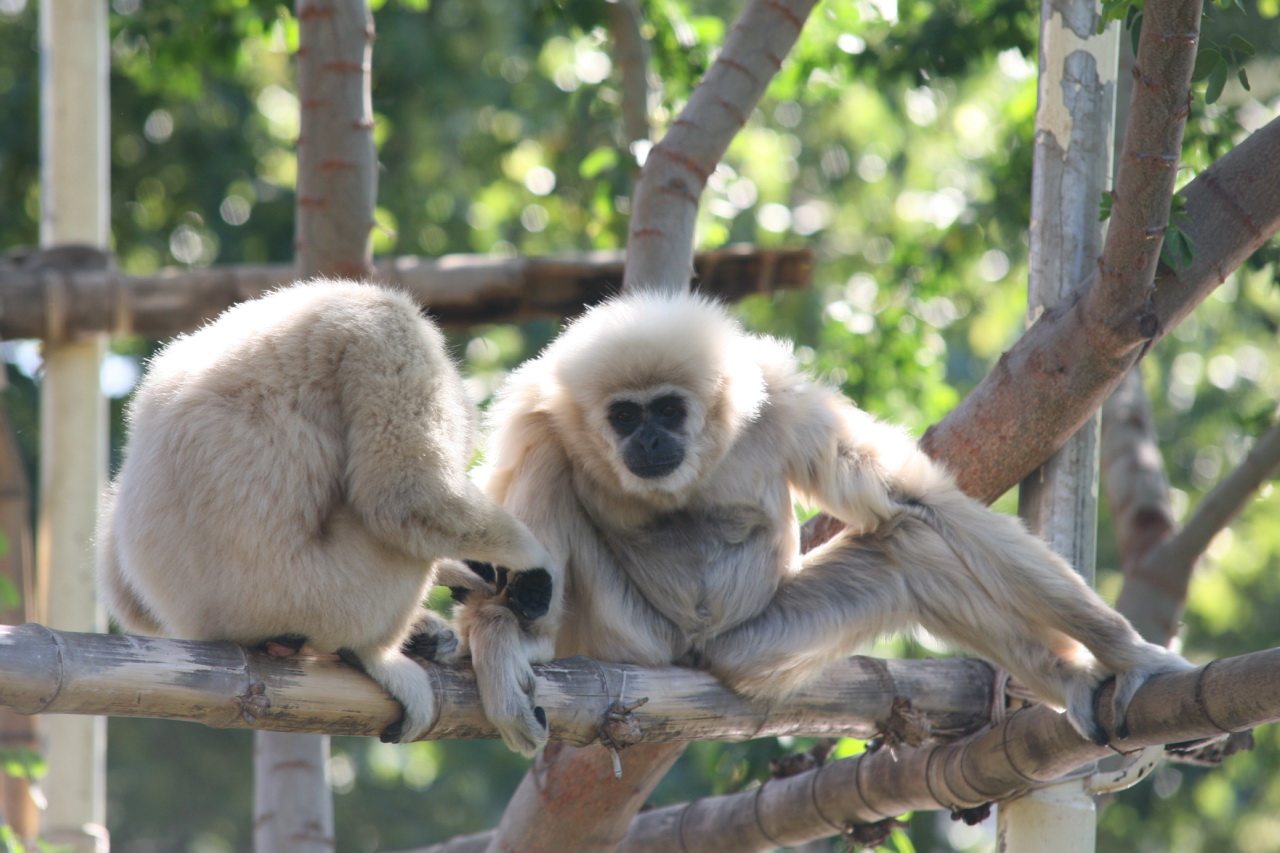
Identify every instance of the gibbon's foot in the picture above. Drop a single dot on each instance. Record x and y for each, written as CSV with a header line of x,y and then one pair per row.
x,y
529,594
283,646
432,638
350,657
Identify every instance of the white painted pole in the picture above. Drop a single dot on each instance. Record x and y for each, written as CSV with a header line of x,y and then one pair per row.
x,y
73,415
1075,126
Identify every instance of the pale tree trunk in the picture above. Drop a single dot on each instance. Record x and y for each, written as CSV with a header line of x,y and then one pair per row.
x,y
1074,135
571,798
73,413
293,806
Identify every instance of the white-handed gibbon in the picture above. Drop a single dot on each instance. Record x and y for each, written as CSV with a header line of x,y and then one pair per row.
x,y
656,449
295,472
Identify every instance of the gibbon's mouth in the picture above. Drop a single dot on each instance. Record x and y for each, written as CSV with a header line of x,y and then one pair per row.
x,y
655,470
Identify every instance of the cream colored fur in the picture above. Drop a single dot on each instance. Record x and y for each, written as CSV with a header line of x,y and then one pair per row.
x,y
703,567
298,467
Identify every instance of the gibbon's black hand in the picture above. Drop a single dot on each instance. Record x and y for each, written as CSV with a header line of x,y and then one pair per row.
x,y
529,594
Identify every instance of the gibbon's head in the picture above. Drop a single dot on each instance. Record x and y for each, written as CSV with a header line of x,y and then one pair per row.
x,y
649,390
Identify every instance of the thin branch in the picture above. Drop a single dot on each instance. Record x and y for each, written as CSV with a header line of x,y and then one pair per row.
x,y
631,55
1220,506
665,207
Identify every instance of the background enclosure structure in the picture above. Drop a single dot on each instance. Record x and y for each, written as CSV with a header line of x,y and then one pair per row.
x,y
901,341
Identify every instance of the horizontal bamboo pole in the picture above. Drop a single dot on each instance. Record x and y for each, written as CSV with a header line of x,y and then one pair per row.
x,y
226,686
42,296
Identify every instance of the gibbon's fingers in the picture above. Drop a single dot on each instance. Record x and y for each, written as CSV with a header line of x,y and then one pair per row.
x,y
500,655
407,682
1160,661
433,638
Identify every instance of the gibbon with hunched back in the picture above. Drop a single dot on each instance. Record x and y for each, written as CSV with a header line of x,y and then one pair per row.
x,y
656,449
295,472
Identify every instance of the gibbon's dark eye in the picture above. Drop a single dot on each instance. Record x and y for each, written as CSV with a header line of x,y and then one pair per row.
x,y
668,410
625,416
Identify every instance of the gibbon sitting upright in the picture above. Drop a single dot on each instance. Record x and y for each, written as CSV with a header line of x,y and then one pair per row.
x,y
294,472
656,449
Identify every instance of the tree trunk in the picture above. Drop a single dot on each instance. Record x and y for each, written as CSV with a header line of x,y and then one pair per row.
x,y
337,187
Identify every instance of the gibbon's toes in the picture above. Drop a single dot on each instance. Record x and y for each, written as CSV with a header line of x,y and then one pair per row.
x,y
283,645
525,731
393,732
1082,712
433,639
529,594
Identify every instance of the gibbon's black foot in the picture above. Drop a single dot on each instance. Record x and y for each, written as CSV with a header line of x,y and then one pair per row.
x,y
431,639
484,570
393,732
352,658
283,645
529,594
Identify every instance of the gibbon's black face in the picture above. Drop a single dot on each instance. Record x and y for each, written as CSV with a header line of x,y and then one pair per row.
x,y
651,432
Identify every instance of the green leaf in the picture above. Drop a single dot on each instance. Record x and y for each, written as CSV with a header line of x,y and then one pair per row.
x,y
1206,61
1104,207
1244,78
1217,81
598,161
1242,45
1135,31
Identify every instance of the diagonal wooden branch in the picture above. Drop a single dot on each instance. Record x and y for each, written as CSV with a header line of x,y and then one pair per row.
x,y
39,296
223,685
665,208
1148,166
1138,495
1168,566
1069,361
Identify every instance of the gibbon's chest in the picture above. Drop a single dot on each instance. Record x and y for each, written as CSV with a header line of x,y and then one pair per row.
x,y
705,568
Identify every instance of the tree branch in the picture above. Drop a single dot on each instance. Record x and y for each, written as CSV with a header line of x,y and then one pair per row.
x,y
1030,747
38,298
1070,359
1138,495
1148,167
665,207
223,685
631,55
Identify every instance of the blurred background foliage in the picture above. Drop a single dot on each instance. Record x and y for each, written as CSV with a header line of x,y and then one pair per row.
x,y
896,141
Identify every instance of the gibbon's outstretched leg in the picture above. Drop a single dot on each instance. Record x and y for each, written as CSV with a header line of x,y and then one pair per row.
x,y
915,569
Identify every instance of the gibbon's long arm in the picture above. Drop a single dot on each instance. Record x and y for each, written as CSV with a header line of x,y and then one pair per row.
x,y
935,555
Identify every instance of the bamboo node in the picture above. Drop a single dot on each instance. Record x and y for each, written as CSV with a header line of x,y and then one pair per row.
x,y
253,703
